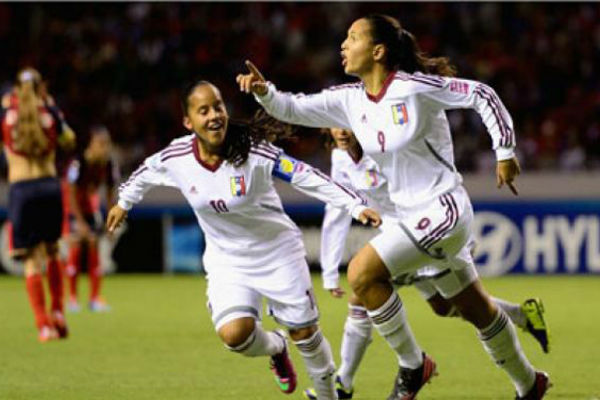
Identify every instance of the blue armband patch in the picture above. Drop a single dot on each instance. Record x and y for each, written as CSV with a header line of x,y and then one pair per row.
x,y
285,167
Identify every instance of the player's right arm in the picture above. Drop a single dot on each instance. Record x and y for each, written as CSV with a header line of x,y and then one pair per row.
x,y
149,174
334,231
325,109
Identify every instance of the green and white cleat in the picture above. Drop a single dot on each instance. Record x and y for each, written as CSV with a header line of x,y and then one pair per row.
x,y
536,325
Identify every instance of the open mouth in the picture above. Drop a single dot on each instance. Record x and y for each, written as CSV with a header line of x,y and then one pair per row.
x,y
215,126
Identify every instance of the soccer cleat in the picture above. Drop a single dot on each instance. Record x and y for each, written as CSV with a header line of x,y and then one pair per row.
x,y
342,392
282,367
73,305
410,381
60,324
98,305
536,325
47,334
540,387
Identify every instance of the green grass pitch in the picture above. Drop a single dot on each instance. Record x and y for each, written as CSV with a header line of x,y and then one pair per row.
x,y
158,343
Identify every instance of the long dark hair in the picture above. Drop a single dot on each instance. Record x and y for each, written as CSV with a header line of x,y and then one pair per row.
x,y
242,135
30,139
402,50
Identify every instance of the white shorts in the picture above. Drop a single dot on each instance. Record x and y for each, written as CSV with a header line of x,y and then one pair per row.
x,y
436,235
234,294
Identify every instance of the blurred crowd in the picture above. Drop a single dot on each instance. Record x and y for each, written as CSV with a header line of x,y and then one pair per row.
x,y
123,65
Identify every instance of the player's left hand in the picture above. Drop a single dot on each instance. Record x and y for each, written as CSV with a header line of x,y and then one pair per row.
x,y
506,172
370,217
115,217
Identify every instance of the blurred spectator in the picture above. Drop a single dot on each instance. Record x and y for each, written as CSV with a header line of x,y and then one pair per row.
x,y
122,65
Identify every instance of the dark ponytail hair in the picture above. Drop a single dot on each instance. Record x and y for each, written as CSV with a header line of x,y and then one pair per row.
x,y
402,49
243,134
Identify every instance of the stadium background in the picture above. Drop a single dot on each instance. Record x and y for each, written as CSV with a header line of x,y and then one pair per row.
x,y
122,65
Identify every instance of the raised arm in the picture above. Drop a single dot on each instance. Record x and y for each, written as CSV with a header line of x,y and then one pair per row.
x,y
450,93
325,109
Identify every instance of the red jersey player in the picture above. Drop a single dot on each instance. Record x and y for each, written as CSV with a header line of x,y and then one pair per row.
x,y
85,175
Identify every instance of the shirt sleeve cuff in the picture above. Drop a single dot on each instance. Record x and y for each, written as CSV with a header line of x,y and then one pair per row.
x,y
265,98
505,153
357,210
124,204
330,283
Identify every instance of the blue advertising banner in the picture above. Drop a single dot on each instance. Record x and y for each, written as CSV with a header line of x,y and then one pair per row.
x,y
560,237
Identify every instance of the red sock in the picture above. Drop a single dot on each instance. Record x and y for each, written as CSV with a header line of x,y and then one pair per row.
x,y
55,282
94,272
35,290
73,268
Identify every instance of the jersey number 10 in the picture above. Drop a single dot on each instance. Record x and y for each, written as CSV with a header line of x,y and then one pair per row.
x,y
219,206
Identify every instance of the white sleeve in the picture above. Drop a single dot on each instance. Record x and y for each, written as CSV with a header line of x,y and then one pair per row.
x,y
463,93
335,228
314,183
326,109
150,173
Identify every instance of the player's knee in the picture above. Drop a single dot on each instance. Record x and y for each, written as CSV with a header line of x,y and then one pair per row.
x,y
303,333
237,332
440,306
358,277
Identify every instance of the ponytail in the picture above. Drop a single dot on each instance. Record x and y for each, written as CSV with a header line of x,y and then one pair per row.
x,y
403,51
242,135
30,138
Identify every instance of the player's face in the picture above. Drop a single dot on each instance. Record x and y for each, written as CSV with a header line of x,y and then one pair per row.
x,y
357,49
207,116
100,146
344,139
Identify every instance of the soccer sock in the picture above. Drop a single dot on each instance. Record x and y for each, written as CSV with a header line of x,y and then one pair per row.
x,y
390,321
73,268
514,312
35,290
318,359
500,341
55,283
357,337
94,272
260,343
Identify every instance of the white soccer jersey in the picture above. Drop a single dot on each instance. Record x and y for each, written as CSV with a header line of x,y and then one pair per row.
x,y
238,208
364,177
404,128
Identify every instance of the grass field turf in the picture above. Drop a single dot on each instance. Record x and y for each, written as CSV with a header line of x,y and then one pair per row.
x,y
159,343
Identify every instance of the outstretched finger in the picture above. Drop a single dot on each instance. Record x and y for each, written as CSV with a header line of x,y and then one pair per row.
x,y
253,70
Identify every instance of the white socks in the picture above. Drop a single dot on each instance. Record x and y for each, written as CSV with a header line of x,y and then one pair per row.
x,y
260,343
318,359
500,341
513,311
390,321
357,337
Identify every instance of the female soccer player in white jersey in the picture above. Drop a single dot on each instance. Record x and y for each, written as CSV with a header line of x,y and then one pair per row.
x,y
253,249
397,114
357,171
